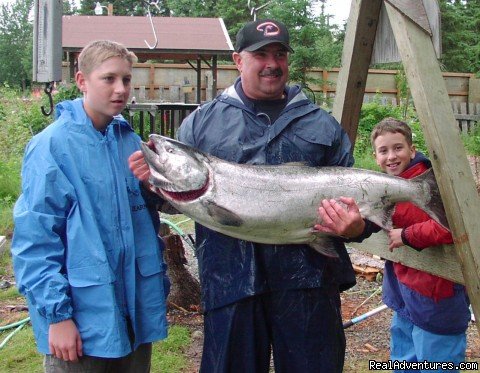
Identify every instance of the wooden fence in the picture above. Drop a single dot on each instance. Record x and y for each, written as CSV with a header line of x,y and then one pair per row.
x,y
160,82
467,115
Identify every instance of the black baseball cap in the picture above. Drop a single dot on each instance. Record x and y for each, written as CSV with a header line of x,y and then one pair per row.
x,y
255,35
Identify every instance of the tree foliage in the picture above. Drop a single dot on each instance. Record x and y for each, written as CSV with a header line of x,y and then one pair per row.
x,y
16,43
461,35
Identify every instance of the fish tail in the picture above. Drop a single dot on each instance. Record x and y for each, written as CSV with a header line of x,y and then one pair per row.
x,y
431,201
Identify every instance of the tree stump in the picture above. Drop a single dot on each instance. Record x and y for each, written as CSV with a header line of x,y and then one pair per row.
x,y
185,289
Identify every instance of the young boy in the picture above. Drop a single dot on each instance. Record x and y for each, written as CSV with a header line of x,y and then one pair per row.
x,y
85,248
430,313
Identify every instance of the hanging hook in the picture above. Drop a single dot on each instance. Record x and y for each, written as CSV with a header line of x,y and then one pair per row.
x,y
48,90
149,14
254,10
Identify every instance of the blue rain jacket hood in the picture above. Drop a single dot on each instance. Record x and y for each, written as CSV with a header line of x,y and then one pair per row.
x,y
230,128
85,246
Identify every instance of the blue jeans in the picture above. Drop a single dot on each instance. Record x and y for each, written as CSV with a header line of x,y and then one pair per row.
x,y
411,343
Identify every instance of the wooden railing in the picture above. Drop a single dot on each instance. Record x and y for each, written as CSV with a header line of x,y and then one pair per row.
x,y
467,115
163,118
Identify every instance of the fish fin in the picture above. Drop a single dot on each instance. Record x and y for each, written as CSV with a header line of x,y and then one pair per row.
x,y
222,215
381,217
434,206
324,247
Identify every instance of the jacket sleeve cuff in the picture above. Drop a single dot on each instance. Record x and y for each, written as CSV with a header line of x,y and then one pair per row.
x,y
61,312
407,242
57,319
369,229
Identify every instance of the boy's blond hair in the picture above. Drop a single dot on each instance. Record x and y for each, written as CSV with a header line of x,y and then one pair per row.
x,y
391,125
96,52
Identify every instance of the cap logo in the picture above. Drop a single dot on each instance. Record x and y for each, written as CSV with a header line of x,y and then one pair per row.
x,y
268,29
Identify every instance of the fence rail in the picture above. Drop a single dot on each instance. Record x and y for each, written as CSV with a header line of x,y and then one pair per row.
x,y
467,115
163,118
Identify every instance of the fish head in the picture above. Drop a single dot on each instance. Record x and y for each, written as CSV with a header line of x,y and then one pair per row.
x,y
177,171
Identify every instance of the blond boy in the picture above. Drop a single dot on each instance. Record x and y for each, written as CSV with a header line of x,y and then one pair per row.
x,y
85,249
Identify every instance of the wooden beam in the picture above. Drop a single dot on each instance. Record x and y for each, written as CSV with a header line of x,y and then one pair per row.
x,y
439,260
413,10
357,52
454,177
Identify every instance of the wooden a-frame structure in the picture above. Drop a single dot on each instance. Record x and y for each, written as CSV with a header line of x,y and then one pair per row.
x,y
459,262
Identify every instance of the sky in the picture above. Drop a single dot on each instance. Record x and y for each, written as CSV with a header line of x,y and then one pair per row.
x,y
340,9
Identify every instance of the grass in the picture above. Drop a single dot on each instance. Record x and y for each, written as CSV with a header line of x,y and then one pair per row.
x,y
20,354
6,219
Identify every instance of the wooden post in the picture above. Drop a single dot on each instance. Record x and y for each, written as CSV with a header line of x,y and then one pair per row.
x,y
357,52
454,177
151,83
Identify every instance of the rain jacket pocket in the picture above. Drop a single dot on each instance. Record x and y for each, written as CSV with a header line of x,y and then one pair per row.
x,y
149,265
313,144
153,272
90,276
311,136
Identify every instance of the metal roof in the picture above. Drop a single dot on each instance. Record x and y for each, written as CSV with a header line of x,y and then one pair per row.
x,y
179,38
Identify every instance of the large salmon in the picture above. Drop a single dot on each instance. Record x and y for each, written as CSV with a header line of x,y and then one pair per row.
x,y
276,204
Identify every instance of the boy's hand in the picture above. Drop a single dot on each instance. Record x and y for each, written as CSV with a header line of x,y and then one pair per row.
x,y
395,238
64,341
340,219
138,166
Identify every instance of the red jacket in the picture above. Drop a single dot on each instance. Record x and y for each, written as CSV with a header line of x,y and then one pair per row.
x,y
420,231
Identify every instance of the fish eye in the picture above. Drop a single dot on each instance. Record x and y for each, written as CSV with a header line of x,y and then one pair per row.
x,y
170,150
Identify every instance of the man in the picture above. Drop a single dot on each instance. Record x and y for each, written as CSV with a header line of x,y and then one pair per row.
x,y
260,298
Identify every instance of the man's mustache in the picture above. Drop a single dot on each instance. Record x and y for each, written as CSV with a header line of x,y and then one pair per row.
x,y
271,72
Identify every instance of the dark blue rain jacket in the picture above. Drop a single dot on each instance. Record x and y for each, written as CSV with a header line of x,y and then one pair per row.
x,y
230,129
85,246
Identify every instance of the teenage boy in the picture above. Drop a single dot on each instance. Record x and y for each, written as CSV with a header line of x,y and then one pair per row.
x,y
85,248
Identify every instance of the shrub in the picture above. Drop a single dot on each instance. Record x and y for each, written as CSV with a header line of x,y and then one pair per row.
x,y
472,141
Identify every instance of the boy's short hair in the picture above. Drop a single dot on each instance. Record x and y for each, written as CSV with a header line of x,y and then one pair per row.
x,y
391,125
98,51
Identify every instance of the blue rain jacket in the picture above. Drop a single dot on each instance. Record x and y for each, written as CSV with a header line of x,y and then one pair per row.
x,y
85,246
229,128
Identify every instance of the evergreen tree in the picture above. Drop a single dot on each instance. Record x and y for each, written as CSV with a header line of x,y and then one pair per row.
x,y
16,40
461,35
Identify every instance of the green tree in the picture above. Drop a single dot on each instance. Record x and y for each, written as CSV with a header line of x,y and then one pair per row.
x,y
16,40
461,35
234,13
69,7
